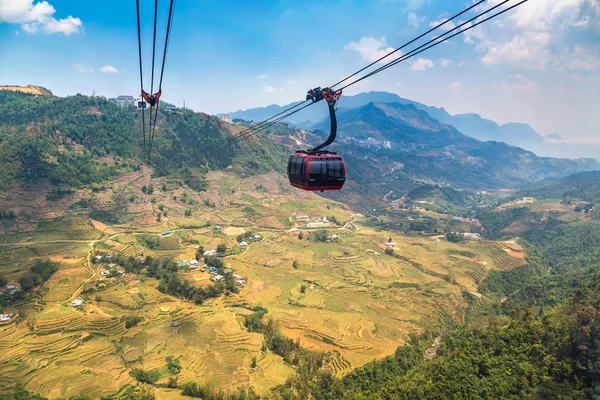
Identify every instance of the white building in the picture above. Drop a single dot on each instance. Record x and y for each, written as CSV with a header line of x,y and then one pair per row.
x,y
243,244
76,303
226,118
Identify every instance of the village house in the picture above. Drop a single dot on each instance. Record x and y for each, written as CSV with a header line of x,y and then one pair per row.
x,y
217,278
104,273
76,303
301,217
243,244
194,263
390,244
183,264
210,253
5,317
238,280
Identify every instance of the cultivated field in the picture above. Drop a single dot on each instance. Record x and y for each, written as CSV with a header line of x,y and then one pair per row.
x,y
345,296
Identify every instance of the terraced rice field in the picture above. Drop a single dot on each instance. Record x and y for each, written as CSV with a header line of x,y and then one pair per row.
x,y
347,298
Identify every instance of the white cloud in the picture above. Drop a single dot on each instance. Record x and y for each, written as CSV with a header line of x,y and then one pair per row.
x,y
109,69
446,27
371,49
413,20
444,62
36,17
261,77
271,89
540,35
455,86
81,68
422,64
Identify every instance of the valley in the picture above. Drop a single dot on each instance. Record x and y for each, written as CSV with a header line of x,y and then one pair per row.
x,y
206,272
346,297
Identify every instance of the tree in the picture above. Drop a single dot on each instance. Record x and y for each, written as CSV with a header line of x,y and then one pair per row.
x,y
199,253
300,236
221,248
295,264
390,240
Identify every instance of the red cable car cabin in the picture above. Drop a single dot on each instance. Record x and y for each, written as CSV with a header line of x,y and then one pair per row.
x,y
317,171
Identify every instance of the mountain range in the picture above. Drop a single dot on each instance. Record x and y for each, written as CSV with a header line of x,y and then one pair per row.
x,y
470,124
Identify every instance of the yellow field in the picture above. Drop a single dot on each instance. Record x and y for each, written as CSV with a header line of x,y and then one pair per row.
x,y
348,298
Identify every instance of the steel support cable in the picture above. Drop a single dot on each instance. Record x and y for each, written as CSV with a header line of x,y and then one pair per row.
x,y
251,130
258,126
409,43
267,121
141,74
411,54
437,40
162,70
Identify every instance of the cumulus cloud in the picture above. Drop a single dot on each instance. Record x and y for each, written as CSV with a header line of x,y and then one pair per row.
x,y
446,27
422,64
271,89
261,77
109,69
412,20
455,86
539,35
37,17
81,68
444,62
371,49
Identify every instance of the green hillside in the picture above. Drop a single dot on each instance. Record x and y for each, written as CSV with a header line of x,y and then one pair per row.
x,y
582,186
82,141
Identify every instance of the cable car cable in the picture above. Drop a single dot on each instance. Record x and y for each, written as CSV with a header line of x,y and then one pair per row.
x,y
373,63
408,43
438,41
258,127
162,70
411,54
141,74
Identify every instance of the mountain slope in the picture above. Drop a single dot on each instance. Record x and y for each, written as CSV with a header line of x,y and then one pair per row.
x,y
81,141
428,149
473,125
582,186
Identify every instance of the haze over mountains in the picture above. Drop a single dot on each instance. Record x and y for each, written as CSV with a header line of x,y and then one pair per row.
x,y
470,124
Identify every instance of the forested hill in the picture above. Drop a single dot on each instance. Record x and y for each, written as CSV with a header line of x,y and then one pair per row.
x,y
81,141
582,186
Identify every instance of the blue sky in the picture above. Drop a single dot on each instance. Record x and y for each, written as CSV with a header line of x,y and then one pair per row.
x,y
539,64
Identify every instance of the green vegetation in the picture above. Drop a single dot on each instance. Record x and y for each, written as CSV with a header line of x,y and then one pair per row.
x,y
582,186
145,376
4,214
132,321
193,389
455,237
149,241
104,216
38,274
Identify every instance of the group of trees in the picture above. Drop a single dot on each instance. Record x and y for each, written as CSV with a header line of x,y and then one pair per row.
x,y
166,271
38,274
7,214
